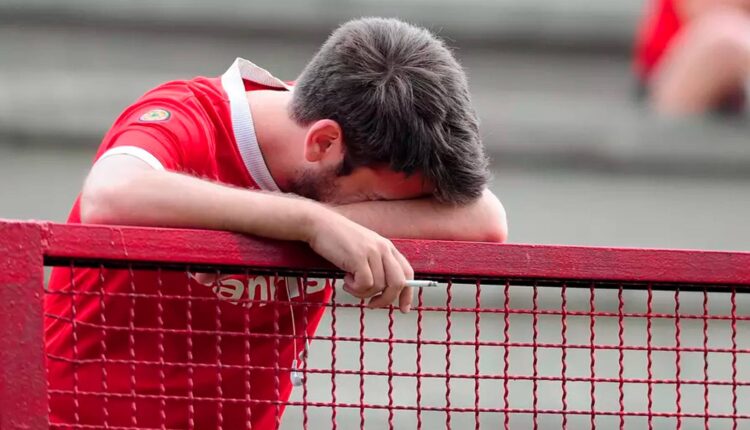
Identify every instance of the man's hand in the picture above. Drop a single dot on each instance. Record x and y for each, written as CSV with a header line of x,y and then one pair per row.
x,y
374,267
372,261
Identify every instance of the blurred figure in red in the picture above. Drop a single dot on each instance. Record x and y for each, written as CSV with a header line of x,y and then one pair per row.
x,y
693,56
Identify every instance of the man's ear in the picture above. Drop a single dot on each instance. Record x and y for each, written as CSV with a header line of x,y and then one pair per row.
x,y
324,139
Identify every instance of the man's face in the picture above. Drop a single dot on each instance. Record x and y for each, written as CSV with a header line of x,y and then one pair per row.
x,y
363,184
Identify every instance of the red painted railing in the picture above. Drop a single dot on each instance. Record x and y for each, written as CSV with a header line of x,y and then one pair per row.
x,y
518,336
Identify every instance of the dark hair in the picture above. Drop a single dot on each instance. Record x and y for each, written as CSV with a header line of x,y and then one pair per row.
x,y
401,99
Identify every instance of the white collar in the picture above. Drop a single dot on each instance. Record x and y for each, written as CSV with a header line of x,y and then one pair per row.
x,y
242,119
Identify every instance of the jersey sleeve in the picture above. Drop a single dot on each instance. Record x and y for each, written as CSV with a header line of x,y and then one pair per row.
x,y
167,128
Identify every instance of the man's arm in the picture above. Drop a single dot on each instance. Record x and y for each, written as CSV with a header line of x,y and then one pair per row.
x,y
689,9
124,190
483,220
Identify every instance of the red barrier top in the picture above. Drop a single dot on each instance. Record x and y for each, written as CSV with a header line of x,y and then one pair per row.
x,y
436,258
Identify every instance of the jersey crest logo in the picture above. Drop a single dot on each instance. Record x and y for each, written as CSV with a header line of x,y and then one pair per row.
x,y
155,115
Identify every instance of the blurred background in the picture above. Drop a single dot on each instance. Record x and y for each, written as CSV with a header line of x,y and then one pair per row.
x,y
577,158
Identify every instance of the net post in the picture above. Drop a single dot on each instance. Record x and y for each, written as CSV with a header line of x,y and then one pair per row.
x,y
23,381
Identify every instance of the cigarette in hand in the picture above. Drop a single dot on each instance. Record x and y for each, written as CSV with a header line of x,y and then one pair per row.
x,y
421,284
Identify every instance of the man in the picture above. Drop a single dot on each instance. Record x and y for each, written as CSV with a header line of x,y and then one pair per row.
x,y
378,136
693,56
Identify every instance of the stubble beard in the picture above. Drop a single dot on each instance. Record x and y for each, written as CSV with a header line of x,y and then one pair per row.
x,y
315,186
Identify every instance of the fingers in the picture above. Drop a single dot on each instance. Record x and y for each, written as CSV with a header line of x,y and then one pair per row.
x,y
363,277
407,294
361,283
348,282
396,275
377,267
383,277
372,279
348,279
405,299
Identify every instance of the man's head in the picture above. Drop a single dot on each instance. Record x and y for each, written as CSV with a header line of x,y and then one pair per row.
x,y
388,116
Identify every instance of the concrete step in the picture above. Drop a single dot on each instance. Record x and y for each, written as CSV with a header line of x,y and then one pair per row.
x,y
63,85
574,22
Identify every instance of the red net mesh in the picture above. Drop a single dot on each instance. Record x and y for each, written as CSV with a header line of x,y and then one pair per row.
x,y
169,348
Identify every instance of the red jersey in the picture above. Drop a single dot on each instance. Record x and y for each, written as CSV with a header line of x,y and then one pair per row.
x,y
202,127
657,30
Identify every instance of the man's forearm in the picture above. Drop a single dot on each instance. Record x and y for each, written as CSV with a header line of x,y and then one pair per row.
x,y
689,9
156,198
482,220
